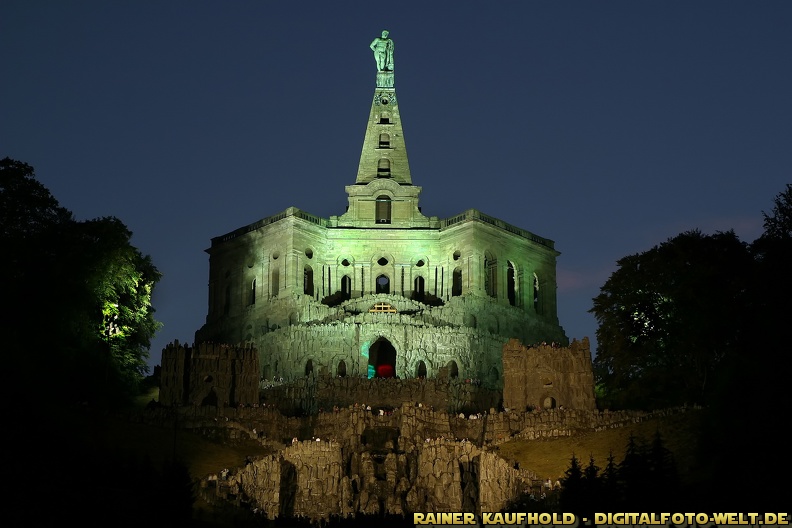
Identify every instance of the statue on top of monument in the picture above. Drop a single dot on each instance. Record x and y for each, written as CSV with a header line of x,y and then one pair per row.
x,y
383,52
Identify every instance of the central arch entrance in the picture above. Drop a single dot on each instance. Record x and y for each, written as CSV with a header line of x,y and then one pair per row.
x,y
382,359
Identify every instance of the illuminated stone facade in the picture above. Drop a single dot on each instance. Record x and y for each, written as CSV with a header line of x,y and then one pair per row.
x,y
382,290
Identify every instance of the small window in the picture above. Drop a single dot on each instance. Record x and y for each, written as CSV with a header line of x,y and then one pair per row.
x,y
382,261
456,283
420,263
308,286
275,282
309,253
383,168
383,211
383,284
345,262
384,141
420,369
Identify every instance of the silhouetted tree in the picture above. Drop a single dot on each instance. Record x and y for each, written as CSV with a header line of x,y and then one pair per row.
x,y
572,488
611,491
634,475
754,388
663,485
78,297
666,320
177,494
592,488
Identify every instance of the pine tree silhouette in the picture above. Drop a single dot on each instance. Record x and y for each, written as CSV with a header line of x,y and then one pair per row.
x,y
571,496
611,491
592,488
634,475
664,479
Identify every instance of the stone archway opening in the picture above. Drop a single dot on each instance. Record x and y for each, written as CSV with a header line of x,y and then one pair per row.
x,y
383,284
549,403
309,367
382,359
420,369
453,369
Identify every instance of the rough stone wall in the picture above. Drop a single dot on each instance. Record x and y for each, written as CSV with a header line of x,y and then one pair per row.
x,y
313,394
308,480
209,374
546,376
363,462
427,337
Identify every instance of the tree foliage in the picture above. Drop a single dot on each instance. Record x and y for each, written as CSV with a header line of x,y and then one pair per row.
x,y
665,319
703,319
80,295
645,480
573,488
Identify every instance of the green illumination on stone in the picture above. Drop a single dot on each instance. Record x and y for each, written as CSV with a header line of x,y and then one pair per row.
x,y
364,349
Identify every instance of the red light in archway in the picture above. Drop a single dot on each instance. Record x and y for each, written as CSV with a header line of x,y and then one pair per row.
x,y
385,371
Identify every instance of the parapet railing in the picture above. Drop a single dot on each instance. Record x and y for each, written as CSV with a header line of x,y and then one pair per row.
x,y
473,214
291,211
470,214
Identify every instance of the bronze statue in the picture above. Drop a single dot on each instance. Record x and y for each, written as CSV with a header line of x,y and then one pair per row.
x,y
383,52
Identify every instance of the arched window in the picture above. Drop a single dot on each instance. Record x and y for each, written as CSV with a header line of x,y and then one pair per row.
x,y
346,286
275,282
511,284
308,285
383,209
383,168
418,289
536,292
309,367
456,283
490,275
252,297
384,141
453,369
420,369
383,284
341,370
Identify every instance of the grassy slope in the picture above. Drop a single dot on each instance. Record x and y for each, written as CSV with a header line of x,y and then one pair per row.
x,y
547,458
550,458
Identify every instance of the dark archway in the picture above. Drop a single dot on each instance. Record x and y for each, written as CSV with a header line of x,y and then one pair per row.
x,y
418,289
382,359
456,283
341,370
309,367
383,284
453,369
420,369
346,286
308,284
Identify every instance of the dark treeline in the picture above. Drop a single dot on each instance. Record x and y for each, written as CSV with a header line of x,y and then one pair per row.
x,y
703,319
645,480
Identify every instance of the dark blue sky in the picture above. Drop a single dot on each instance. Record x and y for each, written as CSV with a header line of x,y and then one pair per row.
x,y
607,127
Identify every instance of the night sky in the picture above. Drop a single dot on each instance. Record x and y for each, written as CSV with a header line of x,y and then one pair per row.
x,y
607,126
